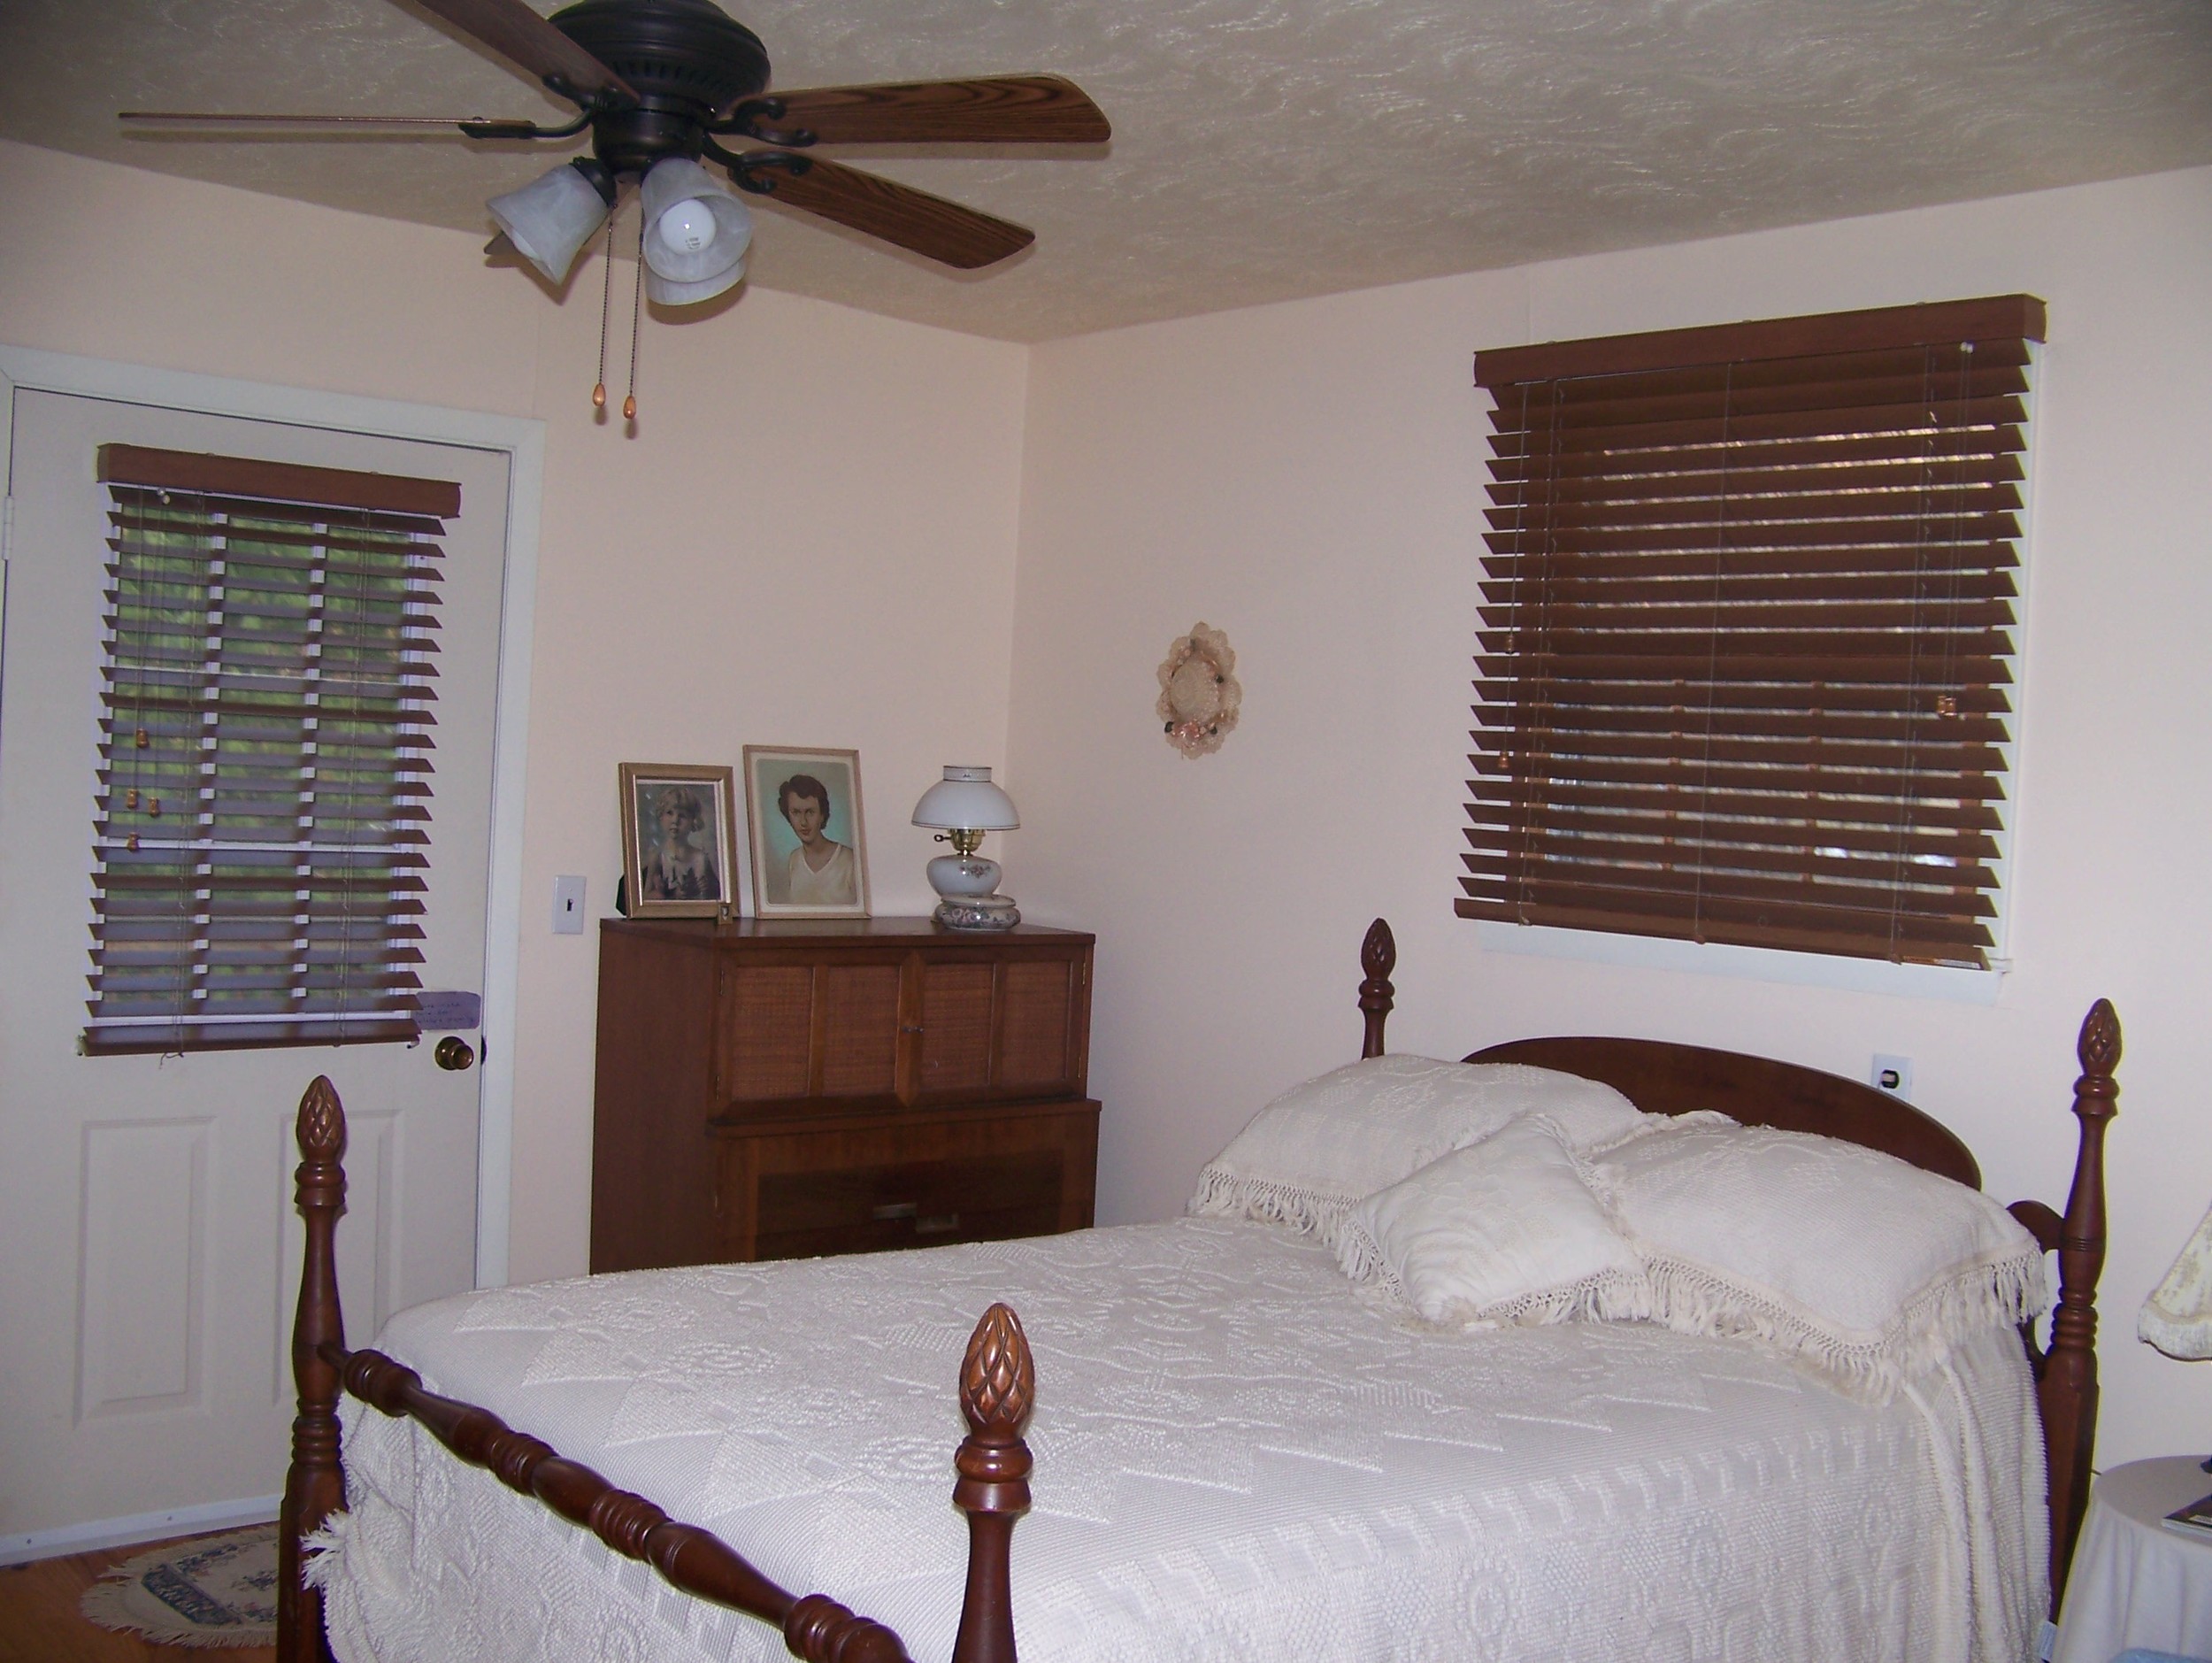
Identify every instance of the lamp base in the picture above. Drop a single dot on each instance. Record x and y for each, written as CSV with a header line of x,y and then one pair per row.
x,y
977,911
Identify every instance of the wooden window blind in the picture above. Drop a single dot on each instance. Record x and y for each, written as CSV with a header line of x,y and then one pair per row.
x,y
260,828
1745,632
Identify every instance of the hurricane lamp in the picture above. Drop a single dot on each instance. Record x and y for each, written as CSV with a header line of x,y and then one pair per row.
x,y
961,808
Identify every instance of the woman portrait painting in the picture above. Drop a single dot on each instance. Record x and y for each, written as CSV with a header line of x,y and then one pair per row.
x,y
678,847
821,871
809,855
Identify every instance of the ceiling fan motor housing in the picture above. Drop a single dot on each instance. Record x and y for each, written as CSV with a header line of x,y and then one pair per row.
x,y
686,58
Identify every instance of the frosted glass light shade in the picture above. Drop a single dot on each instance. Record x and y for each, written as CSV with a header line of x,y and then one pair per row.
x,y
965,800
550,219
665,292
672,185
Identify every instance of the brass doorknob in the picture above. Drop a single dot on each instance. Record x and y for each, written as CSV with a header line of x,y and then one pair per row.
x,y
452,1053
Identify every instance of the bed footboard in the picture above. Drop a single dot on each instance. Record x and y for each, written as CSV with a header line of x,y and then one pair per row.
x,y
997,1385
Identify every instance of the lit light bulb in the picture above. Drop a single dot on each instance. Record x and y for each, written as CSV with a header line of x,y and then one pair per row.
x,y
687,227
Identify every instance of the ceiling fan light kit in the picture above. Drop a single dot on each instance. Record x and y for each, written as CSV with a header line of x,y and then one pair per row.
x,y
550,219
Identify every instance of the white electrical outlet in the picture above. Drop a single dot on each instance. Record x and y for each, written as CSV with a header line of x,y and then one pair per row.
x,y
568,906
1892,1074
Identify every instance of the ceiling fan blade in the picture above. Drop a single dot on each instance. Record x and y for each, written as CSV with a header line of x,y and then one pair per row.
x,y
528,42
998,109
475,125
883,208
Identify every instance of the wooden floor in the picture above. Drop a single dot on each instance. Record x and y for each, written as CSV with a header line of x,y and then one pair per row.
x,y
40,1622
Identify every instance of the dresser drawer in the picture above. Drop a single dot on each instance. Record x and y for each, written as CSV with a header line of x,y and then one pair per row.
x,y
918,1183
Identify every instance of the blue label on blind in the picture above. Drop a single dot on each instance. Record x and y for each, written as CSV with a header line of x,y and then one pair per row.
x,y
447,1013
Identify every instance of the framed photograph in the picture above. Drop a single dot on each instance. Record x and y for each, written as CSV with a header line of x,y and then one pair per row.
x,y
678,840
809,852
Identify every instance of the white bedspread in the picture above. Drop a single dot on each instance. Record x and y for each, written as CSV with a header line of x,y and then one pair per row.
x,y
1235,1459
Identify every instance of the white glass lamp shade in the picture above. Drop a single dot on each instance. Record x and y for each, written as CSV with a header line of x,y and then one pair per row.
x,y
550,219
965,800
696,233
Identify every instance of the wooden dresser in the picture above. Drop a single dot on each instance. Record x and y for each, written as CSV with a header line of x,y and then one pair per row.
x,y
773,1088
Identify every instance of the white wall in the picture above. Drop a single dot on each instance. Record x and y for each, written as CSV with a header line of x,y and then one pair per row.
x,y
1307,477
811,541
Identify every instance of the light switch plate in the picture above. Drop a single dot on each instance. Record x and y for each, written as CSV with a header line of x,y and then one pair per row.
x,y
1892,1074
568,905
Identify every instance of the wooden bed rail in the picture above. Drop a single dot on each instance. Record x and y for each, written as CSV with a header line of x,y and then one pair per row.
x,y
1663,1078
997,1386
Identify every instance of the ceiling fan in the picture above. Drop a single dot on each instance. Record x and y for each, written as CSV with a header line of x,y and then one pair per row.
x,y
661,84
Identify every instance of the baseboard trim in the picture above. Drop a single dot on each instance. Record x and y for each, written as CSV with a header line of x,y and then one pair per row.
x,y
90,1537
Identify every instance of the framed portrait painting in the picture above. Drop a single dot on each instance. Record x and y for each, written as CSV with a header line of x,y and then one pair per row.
x,y
810,851
678,840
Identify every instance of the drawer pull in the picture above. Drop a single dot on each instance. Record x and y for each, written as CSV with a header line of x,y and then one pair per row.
x,y
897,1210
937,1226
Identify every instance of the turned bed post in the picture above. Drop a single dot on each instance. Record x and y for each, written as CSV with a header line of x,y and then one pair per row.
x,y
314,1488
1377,957
2066,1382
998,1382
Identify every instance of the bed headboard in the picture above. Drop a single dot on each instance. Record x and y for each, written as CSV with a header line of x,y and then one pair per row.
x,y
1661,1077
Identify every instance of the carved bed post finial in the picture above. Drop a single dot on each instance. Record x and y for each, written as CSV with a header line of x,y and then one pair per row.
x,y
314,1488
2068,1388
1377,957
998,1382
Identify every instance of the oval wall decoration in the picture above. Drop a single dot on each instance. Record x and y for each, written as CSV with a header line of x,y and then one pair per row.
x,y
1199,691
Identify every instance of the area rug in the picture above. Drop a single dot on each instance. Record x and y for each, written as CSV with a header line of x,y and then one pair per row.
x,y
211,1590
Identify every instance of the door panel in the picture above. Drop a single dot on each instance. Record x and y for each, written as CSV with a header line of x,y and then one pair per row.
x,y
1033,1044
145,1254
955,1028
860,1030
148,1246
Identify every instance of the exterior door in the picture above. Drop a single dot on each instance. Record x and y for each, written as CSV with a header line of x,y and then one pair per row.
x,y
149,1250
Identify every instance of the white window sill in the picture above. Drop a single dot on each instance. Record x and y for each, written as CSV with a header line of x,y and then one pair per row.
x,y
1753,964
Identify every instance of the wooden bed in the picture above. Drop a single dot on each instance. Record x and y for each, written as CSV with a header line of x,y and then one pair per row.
x,y
997,1382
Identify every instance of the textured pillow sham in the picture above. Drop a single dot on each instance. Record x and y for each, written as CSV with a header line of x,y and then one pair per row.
x,y
1502,1232
1863,1266
1308,1157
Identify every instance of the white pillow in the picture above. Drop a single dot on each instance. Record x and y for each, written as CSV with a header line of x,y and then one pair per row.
x,y
1865,1268
1311,1154
1503,1231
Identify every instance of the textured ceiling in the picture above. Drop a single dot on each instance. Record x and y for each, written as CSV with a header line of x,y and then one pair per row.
x,y
1264,148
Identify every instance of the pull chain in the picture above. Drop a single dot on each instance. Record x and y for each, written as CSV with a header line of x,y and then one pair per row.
x,y
606,304
637,309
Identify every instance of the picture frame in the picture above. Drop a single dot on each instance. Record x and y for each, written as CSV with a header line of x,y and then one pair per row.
x,y
678,839
838,886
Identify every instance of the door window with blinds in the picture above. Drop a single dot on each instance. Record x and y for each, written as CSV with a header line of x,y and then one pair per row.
x,y
1747,646
261,828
